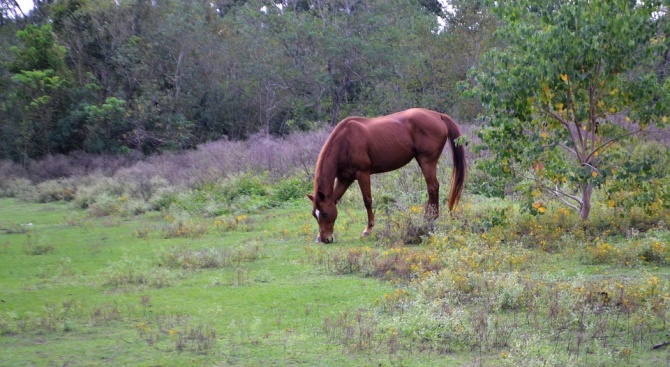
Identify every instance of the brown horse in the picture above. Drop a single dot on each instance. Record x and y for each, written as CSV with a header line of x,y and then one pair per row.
x,y
359,147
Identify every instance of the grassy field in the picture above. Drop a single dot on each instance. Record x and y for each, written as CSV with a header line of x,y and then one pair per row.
x,y
206,258
115,291
252,289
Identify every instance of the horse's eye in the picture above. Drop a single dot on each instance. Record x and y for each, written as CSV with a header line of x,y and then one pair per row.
x,y
325,215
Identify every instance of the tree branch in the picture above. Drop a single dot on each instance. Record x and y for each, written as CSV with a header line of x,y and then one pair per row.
x,y
608,143
560,194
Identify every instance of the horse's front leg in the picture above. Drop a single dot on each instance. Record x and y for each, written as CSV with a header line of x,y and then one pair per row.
x,y
364,182
341,187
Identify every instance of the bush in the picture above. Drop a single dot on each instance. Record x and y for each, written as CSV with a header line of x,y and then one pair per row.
x,y
182,228
209,258
638,185
248,184
289,189
104,205
94,187
136,272
18,187
56,190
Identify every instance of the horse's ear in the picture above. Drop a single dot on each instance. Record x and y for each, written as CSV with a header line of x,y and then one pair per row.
x,y
319,194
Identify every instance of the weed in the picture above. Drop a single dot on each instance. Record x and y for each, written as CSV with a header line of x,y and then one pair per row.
x,y
37,246
394,264
357,331
105,313
655,252
142,232
199,339
164,330
138,273
405,226
180,228
232,223
209,258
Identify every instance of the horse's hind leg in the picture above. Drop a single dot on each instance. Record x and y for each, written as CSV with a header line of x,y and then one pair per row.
x,y
429,170
364,183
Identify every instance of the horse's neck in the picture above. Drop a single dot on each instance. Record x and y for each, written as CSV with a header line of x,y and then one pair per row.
x,y
327,171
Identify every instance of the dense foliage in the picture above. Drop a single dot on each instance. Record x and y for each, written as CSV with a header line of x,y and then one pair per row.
x,y
113,76
564,85
571,81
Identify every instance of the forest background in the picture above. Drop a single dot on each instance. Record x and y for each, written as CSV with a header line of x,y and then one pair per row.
x,y
150,76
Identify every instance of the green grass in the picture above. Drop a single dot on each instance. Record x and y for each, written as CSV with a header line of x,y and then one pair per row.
x,y
59,307
253,289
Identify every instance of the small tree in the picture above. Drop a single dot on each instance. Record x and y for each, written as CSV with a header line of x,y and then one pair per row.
x,y
566,68
37,95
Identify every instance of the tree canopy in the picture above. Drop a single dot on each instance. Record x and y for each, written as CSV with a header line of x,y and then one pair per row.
x,y
571,80
169,74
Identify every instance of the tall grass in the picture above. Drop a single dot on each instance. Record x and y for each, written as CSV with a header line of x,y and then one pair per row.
x,y
208,179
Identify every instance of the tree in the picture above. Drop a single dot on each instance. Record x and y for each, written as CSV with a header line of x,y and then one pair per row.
x,y
468,33
566,69
37,94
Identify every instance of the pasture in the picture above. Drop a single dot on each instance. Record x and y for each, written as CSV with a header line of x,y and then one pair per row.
x,y
224,272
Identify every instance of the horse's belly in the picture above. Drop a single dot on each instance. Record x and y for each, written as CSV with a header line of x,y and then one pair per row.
x,y
390,161
391,151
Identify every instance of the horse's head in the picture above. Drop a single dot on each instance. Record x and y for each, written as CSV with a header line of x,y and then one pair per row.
x,y
324,211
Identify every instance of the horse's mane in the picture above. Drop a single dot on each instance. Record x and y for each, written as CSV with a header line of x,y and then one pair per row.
x,y
327,148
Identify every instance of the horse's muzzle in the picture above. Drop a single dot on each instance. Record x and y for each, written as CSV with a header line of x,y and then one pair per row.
x,y
328,239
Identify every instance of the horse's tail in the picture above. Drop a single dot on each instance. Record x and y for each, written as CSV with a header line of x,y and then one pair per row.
x,y
460,165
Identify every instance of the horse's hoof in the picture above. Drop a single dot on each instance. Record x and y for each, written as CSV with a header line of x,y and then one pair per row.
x,y
365,234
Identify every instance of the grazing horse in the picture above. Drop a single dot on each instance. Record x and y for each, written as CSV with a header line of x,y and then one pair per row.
x,y
359,147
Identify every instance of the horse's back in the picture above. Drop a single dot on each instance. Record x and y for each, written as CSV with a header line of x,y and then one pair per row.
x,y
425,128
389,142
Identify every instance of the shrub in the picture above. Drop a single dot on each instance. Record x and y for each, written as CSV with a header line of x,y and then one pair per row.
x,y
234,187
139,181
164,197
104,205
56,190
637,185
289,189
18,187
37,246
93,187
398,264
182,228
209,258
136,272
404,226
655,251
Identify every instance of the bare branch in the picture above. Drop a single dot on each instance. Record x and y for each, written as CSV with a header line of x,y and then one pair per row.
x,y
608,143
566,123
560,194
568,148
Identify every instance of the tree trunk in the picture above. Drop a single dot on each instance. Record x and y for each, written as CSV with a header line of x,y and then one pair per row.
x,y
335,112
587,190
